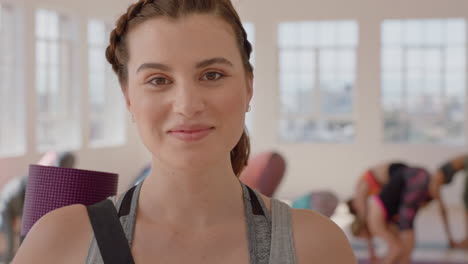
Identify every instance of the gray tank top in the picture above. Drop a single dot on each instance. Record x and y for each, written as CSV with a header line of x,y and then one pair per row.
x,y
270,236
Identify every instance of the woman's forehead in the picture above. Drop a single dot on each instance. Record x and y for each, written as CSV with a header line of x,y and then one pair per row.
x,y
188,38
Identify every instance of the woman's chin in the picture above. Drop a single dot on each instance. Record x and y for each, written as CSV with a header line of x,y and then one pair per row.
x,y
192,161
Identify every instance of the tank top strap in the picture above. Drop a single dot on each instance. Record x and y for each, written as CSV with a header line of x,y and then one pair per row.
x,y
127,208
282,240
258,221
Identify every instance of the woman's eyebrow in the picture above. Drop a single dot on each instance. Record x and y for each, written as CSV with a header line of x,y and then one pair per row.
x,y
153,65
217,60
201,64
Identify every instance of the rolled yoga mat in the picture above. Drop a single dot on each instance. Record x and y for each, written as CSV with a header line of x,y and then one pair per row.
x,y
324,202
49,188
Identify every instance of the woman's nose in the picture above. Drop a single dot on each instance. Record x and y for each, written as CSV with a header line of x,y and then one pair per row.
x,y
189,100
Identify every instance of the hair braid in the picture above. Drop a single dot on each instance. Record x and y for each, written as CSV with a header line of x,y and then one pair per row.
x,y
113,53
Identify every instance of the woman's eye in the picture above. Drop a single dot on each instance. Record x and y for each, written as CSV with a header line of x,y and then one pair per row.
x,y
212,76
160,81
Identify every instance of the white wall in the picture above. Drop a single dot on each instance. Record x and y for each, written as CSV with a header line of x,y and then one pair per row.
x,y
310,166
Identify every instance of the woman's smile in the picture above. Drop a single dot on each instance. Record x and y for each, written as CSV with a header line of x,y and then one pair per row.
x,y
191,133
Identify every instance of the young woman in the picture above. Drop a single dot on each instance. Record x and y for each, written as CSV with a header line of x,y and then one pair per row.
x,y
444,175
369,184
398,202
183,66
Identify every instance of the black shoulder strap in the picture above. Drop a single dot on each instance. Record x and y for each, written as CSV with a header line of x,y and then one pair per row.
x,y
126,204
256,206
109,233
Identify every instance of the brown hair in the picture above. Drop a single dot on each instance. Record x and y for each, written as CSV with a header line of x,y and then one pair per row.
x,y
117,52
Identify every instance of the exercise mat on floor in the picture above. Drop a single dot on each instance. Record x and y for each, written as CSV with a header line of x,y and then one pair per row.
x,y
361,261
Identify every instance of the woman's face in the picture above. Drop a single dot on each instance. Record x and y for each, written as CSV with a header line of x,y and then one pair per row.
x,y
187,89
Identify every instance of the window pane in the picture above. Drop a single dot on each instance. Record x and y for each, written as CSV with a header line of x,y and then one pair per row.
x,y
307,61
455,58
413,32
346,60
56,85
392,33
415,59
288,60
348,33
53,53
301,129
96,33
12,106
288,35
289,92
328,60
429,106
336,93
327,34
455,84
317,76
392,59
433,60
107,127
305,94
433,32
456,32
308,34
96,59
41,23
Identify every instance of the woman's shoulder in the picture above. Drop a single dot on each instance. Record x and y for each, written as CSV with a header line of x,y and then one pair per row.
x,y
318,239
64,233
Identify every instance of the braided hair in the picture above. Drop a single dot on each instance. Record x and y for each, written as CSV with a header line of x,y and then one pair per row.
x,y
143,10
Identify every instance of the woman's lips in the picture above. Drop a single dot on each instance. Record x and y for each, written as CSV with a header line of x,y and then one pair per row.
x,y
191,135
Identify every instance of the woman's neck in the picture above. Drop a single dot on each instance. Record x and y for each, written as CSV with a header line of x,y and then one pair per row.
x,y
201,197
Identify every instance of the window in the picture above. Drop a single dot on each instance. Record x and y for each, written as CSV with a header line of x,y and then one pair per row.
x,y
57,86
250,30
107,107
12,105
423,80
317,65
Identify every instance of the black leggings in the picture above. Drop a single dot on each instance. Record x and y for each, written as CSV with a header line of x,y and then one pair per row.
x,y
404,195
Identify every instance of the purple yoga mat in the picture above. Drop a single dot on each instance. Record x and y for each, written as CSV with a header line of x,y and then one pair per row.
x,y
49,188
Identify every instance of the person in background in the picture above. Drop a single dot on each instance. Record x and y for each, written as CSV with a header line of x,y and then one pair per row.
x,y
183,67
444,176
370,183
398,204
